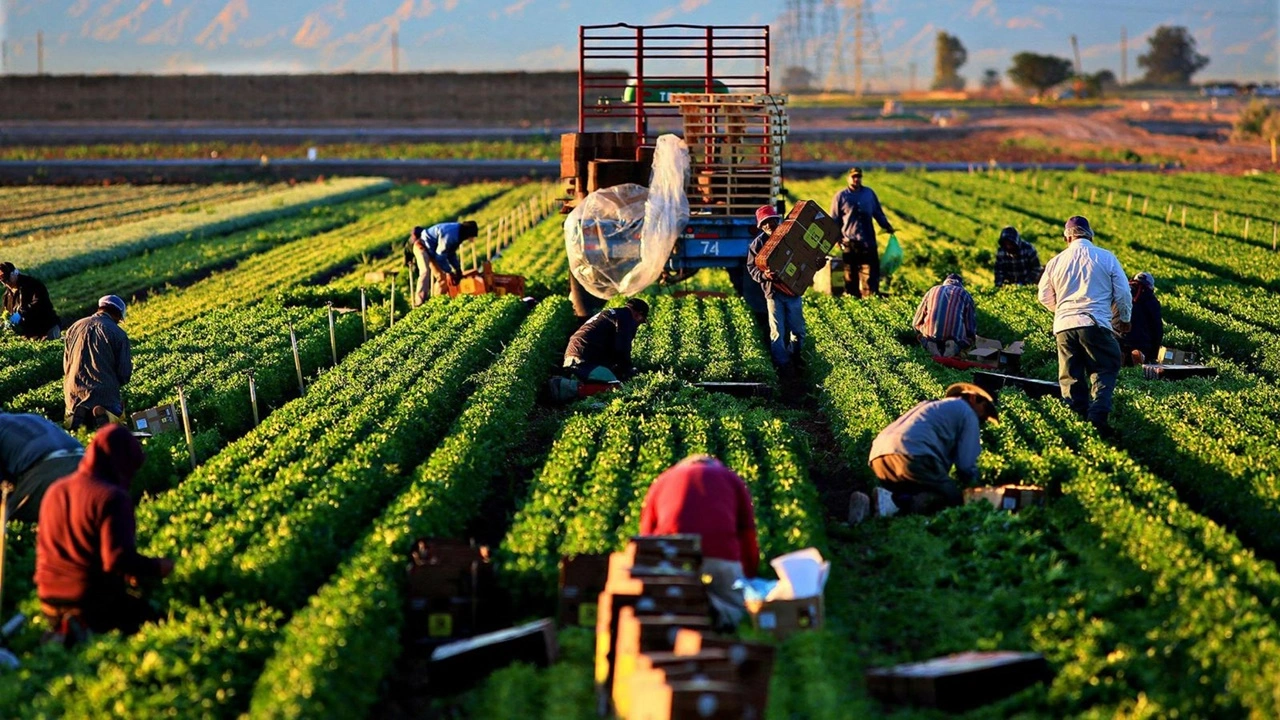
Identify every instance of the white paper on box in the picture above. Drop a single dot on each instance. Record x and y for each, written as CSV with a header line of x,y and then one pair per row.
x,y
141,423
801,574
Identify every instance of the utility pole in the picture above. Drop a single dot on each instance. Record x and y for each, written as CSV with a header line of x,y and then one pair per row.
x,y
1124,56
395,51
857,46
4,57
39,52
911,71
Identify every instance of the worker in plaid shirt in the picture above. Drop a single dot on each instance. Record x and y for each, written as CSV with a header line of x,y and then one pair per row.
x,y
946,321
1017,262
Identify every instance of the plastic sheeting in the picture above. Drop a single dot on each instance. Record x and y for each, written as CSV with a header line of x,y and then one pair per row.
x,y
619,238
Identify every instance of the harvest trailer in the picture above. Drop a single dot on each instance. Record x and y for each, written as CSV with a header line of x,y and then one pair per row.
x,y
709,83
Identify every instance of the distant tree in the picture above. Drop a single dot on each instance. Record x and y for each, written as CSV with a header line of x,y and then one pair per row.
x,y
990,79
1038,72
797,79
951,55
1097,84
1171,58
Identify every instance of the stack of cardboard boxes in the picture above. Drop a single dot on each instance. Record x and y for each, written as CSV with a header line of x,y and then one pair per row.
x,y
1176,365
590,161
452,592
800,247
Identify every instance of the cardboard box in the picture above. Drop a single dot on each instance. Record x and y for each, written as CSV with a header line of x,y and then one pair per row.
x,y
993,382
157,420
638,634
956,683
705,700
1007,358
1177,372
1170,356
784,618
451,591
460,665
582,578
799,248
752,663
1007,497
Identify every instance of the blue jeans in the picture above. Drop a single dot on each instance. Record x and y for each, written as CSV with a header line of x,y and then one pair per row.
x,y
1088,353
786,326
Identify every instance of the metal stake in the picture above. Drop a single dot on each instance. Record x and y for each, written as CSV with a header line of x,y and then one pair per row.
x,y
1128,204
364,319
1144,206
1215,222
333,334
1168,215
5,488
297,359
186,426
1246,228
253,397
1093,194
393,301
1184,217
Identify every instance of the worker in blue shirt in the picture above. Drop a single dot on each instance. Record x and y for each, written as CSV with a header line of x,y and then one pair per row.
x,y
786,311
435,249
858,211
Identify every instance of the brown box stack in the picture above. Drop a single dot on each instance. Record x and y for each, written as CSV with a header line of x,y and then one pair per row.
x,y
1007,497
956,683
582,579
590,161
157,420
799,248
451,590
654,588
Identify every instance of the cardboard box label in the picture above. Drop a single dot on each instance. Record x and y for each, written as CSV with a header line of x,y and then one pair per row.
x,y
813,236
790,269
587,614
440,625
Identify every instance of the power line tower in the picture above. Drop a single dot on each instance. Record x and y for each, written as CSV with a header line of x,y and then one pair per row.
x,y
851,25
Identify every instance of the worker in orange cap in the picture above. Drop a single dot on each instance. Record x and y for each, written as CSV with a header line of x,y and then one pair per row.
x,y
786,310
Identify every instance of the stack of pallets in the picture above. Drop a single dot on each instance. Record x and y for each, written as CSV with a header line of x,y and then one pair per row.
x,y
735,150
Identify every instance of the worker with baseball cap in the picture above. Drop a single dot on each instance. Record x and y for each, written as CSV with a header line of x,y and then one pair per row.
x,y
27,306
786,311
913,457
858,210
96,363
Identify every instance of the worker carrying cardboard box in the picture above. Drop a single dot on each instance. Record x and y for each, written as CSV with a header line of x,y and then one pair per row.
x,y
786,311
435,250
1146,326
600,351
1017,262
946,321
1083,286
27,306
87,559
701,496
96,363
913,456
856,208
33,454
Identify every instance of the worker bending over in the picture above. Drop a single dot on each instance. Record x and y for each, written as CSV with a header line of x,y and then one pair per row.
x,y
86,550
700,496
435,250
912,457
96,363
1082,286
600,351
1146,326
1017,262
946,320
786,311
33,454
27,306
856,208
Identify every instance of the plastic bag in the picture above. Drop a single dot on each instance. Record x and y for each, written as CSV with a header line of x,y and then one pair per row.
x,y
619,239
891,260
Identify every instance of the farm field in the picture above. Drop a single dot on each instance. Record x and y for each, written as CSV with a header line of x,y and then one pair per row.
x,y
1150,584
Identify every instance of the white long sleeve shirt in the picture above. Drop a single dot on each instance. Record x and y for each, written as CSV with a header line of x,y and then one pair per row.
x,y
1084,285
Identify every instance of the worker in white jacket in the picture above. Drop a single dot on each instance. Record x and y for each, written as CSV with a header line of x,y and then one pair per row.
x,y
1081,286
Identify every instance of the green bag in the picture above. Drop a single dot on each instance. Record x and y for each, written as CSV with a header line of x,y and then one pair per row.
x,y
891,260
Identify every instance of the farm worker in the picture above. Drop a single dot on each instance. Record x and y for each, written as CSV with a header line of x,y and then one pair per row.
x,y
912,457
27,306
1080,286
786,311
946,320
96,363
33,453
435,249
600,351
855,207
1017,262
86,550
700,496
1146,326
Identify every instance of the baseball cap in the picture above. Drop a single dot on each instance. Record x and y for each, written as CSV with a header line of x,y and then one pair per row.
x,y
764,212
1077,227
112,301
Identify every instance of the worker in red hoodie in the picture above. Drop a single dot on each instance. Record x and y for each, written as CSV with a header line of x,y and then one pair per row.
x,y
700,496
86,551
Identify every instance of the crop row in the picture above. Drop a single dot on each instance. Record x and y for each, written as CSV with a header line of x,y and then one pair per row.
x,y
58,257
359,611
125,205
1192,572
293,494
710,339
539,256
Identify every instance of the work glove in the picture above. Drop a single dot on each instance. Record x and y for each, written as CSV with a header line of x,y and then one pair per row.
x,y
15,319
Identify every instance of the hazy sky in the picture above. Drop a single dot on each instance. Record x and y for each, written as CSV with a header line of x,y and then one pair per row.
x,y
265,36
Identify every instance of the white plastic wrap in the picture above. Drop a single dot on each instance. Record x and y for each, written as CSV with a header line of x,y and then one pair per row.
x,y
619,238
